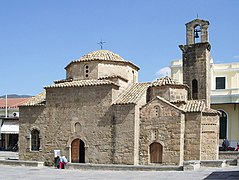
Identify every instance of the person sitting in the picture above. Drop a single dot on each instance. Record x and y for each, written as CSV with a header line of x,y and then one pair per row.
x,y
62,163
57,162
237,148
225,144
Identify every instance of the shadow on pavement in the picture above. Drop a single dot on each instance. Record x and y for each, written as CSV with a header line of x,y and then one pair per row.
x,y
224,175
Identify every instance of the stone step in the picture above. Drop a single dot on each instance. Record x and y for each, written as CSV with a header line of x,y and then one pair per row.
x,y
22,163
8,155
116,167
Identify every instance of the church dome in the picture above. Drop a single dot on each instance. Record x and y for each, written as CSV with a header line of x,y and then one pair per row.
x,y
104,55
165,81
169,89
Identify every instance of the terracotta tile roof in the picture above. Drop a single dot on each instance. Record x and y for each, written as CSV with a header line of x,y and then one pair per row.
x,y
132,94
113,76
198,106
79,83
167,102
12,102
63,80
102,55
194,106
37,100
167,81
211,111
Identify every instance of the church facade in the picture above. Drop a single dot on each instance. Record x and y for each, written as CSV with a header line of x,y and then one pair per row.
x,y
101,114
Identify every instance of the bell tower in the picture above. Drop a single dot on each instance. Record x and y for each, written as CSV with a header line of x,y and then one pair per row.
x,y
196,60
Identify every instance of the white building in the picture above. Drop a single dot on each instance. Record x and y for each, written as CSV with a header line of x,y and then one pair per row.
x,y
224,95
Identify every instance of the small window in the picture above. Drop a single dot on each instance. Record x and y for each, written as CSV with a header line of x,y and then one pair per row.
x,y
220,82
35,140
156,111
155,134
77,127
86,71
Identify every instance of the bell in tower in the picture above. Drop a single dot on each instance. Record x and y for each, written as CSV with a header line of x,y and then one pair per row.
x,y
197,29
196,60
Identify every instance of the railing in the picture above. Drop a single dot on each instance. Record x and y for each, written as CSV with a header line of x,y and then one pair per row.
x,y
221,92
225,95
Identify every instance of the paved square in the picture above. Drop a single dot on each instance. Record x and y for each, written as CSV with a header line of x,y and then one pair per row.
x,y
18,172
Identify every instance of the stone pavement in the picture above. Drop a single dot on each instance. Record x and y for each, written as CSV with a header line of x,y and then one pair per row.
x,y
21,172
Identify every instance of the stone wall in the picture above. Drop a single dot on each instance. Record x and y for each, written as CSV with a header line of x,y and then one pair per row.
x,y
178,95
192,137
210,137
196,65
85,113
166,128
123,134
228,154
169,93
30,118
122,86
162,91
120,69
98,69
76,70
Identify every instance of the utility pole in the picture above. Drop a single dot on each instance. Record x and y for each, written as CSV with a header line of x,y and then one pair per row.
x,y
6,107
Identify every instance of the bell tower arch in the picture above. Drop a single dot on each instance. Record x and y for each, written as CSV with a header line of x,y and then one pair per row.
x,y
196,60
197,30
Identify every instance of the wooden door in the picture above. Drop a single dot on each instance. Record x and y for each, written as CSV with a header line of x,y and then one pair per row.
x,y
75,151
156,152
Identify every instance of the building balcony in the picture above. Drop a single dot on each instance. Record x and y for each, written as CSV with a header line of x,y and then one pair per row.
x,y
225,96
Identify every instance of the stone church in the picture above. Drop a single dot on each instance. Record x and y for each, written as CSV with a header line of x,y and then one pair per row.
x,y
101,114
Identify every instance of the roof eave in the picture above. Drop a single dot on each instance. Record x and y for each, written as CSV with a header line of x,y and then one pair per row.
x,y
52,86
100,60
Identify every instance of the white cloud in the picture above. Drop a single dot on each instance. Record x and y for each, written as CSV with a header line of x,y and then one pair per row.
x,y
166,71
236,56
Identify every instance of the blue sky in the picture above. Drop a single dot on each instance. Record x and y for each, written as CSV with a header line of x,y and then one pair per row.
x,y
39,38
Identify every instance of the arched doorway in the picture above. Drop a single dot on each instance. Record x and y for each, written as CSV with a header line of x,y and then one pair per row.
x,y
77,151
156,152
223,125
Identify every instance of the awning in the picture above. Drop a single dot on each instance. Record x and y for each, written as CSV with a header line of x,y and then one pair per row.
x,y
10,127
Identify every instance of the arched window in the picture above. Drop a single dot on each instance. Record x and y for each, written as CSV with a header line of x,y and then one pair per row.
x,y
35,140
86,70
223,125
195,89
77,127
156,111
